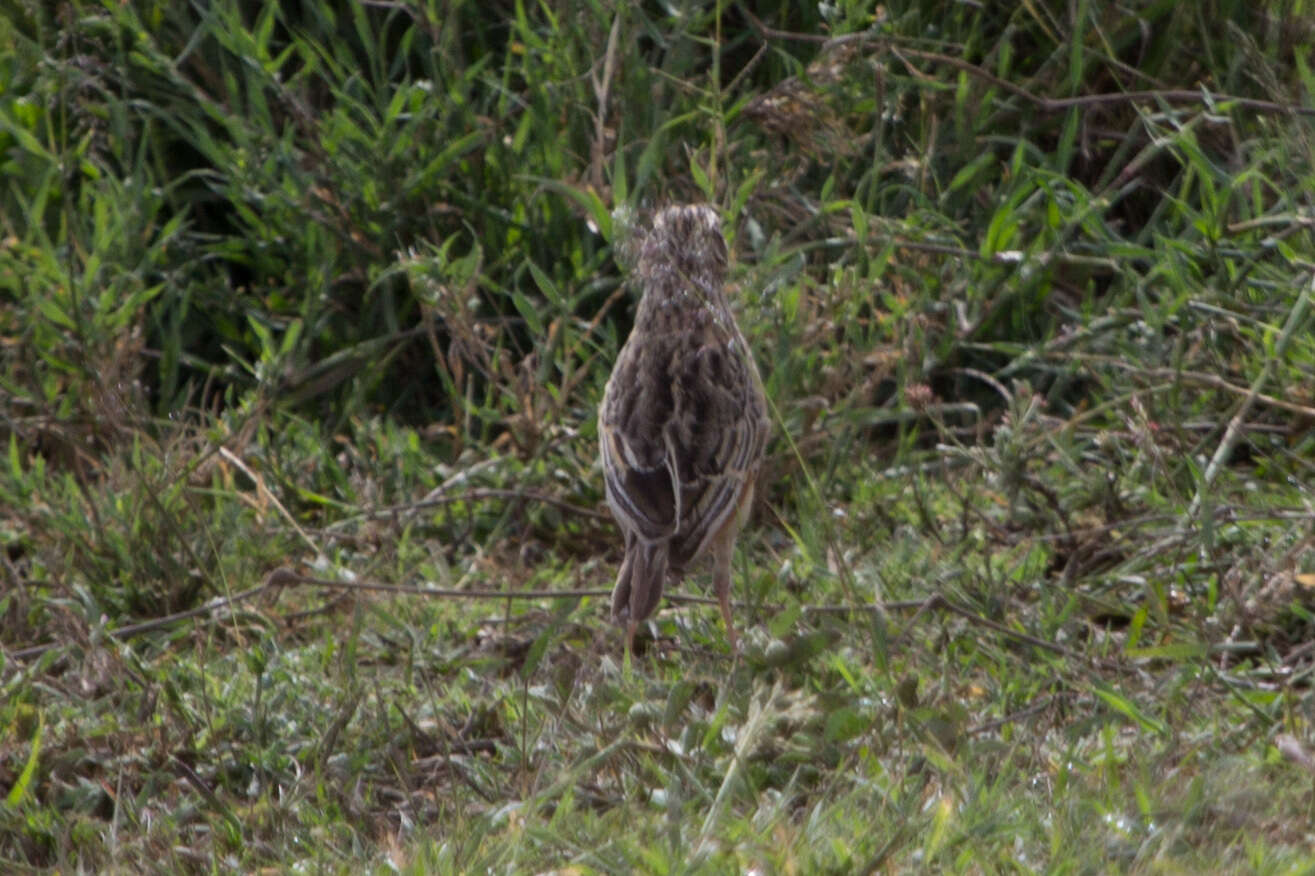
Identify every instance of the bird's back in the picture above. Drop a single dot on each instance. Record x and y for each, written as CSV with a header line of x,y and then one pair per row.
x,y
684,415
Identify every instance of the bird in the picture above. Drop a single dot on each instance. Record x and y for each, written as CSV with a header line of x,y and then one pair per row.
x,y
683,424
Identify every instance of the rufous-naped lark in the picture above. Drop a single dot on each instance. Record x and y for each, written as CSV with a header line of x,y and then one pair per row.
x,y
683,423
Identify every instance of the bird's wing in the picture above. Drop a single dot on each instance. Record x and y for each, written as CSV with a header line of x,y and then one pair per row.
x,y
715,437
640,479
683,427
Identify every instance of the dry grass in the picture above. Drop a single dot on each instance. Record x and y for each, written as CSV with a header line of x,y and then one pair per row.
x,y
303,549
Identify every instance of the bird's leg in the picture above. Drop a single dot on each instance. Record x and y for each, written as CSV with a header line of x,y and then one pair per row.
x,y
721,579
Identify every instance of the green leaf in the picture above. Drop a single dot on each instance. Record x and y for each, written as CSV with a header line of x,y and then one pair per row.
x,y
619,182
565,608
527,310
51,311
547,287
19,790
1124,706
859,217
742,193
587,198
701,178
969,172
844,724
1171,651
15,461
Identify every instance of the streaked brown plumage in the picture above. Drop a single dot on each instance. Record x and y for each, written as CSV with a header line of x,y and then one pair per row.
x,y
683,423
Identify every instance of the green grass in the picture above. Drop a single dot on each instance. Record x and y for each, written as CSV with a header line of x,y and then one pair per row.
x,y
304,316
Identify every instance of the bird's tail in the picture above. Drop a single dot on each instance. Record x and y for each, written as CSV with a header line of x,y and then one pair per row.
x,y
640,581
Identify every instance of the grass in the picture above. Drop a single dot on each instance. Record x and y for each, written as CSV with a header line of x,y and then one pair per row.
x,y
305,315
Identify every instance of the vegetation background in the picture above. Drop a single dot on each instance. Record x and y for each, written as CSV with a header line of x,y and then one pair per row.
x,y
305,309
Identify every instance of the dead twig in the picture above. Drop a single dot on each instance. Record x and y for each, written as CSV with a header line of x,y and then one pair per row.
x,y
603,94
1296,319
1036,708
1044,104
1213,381
284,576
438,498
938,601
441,592
275,579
